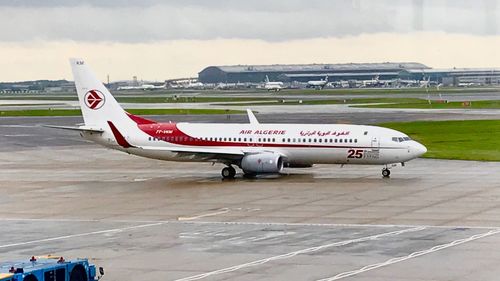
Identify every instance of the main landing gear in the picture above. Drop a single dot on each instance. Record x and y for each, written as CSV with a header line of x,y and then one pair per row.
x,y
386,173
228,172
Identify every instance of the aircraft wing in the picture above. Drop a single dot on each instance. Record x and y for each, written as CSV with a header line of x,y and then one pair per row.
x,y
201,153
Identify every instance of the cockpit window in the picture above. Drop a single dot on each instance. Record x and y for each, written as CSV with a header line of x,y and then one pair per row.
x,y
401,139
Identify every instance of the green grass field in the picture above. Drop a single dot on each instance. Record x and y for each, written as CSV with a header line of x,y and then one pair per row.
x,y
76,112
461,140
329,101
144,99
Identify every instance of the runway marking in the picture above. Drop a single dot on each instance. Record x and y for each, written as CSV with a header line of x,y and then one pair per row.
x,y
412,255
80,235
19,135
256,223
299,252
221,211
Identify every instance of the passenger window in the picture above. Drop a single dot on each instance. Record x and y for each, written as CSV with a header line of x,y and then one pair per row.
x,y
149,138
335,140
345,140
288,140
293,140
245,139
239,139
250,139
315,140
310,140
274,140
320,140
350,140
340,140
355,140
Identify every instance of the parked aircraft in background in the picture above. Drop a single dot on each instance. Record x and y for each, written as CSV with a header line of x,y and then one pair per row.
x,y
144,87
318,84
253,147
273,86
374,82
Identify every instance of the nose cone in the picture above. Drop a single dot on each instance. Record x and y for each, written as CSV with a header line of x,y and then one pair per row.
x,y
419,149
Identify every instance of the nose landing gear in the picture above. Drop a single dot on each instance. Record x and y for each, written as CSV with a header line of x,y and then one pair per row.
x,y
228,172
386,173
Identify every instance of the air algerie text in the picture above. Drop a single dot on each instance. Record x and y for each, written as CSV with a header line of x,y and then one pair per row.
x,y
262,132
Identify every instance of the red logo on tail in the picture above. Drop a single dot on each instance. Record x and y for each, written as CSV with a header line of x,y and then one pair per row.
x,y
94,99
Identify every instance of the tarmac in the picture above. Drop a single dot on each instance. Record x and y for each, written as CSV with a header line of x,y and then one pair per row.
x,y
432,220
154,220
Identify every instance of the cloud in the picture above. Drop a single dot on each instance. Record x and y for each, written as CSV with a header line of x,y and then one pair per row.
x,y
185,58
273,21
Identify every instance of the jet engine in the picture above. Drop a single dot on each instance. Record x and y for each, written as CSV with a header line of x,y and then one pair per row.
x,y
266,162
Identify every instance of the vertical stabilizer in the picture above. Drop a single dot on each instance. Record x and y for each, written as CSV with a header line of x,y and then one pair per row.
x,y
97,104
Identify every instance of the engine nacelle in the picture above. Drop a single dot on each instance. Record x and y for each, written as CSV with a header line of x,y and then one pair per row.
x,y
266,162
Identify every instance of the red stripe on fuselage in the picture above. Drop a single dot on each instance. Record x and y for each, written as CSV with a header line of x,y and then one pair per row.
x,y
162,131
140,120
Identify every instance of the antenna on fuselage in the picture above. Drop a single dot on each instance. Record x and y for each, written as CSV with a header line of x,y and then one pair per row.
x,y
251,117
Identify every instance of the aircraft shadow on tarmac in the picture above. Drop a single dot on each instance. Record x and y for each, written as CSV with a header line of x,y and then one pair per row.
x,y
307,178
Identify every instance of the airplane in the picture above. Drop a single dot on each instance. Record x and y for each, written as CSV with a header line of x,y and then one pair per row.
x,y
272,86
144,87
193,85
318,84
254,147
374,82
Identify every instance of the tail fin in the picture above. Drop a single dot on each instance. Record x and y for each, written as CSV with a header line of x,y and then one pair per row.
x,y
326,78
267,79
96,102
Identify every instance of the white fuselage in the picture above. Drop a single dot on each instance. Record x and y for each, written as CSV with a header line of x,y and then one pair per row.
x,y
299,144
273,86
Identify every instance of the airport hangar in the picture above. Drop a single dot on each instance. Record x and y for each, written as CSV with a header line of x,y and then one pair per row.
x,y
349,71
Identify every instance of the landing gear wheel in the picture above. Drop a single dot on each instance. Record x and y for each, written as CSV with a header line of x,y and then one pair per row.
x,y
386,173
228,172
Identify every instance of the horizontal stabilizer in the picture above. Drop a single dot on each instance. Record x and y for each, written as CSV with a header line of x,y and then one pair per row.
x,y
80,128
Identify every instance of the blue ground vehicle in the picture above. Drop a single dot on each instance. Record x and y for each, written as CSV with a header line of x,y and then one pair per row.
x,y
49,268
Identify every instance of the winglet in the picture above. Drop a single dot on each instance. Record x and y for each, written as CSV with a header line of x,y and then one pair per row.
x,y
251,117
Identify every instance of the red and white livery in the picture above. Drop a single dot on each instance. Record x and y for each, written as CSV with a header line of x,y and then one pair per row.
x,y
253,147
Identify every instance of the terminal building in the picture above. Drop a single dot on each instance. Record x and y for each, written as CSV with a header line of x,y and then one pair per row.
x,y
346,72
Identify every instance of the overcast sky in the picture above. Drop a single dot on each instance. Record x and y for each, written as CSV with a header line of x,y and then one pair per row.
x,y
164,39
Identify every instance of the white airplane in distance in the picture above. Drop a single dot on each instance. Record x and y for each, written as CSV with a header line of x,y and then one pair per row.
x,y
273,86
318,84
144,87
253,147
